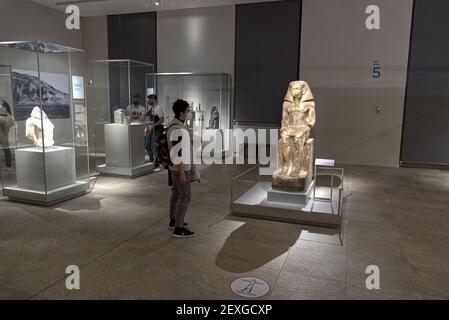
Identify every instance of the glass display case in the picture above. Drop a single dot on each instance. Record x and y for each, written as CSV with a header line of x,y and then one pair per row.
x,y
45,153
120,88
207,93
319,205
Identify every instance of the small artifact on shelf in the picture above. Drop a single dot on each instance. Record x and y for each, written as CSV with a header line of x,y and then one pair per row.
x,y
295,154
214,120
39,129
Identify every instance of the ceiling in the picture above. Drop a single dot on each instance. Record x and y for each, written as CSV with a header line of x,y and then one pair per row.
x,y
107,7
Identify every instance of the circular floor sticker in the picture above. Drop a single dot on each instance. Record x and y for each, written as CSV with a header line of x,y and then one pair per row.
x,y
250,287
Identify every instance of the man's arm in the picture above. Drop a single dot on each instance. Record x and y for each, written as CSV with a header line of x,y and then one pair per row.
x,y
161,121
182,173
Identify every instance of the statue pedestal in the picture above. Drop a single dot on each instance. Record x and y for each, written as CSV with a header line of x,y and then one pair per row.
x,y
124,148
297,198
46,177
47,169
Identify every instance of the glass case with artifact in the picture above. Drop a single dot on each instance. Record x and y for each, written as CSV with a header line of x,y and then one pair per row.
x,y
119,100
292,193
43,123
207,93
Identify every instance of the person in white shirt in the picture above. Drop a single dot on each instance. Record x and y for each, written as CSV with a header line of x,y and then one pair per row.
x,y
136,112
156,129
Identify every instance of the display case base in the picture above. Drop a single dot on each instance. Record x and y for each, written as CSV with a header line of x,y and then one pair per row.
x,y
50,198
127,172
297,198
254,203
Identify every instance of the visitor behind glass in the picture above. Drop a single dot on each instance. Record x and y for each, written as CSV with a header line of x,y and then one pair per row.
x,y
6,123
136,112
156,129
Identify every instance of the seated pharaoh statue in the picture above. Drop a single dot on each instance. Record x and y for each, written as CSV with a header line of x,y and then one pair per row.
x,y
295,154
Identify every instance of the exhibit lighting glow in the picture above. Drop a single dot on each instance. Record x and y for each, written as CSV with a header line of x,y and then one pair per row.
x,y
157,3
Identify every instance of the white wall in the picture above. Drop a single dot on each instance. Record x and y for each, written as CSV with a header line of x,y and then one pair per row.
x,y
26,20
198,40
337,53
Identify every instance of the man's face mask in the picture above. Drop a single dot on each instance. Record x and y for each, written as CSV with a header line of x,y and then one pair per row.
x,y
136,102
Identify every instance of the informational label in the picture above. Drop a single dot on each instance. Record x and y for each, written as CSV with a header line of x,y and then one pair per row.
x,y
249,287
375,73
325,162
78,87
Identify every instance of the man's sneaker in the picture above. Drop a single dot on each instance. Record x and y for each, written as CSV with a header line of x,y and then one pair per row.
x,y
171,225
183,233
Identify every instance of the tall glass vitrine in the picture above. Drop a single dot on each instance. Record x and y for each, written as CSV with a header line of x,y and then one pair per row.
x,y
45,155
119,123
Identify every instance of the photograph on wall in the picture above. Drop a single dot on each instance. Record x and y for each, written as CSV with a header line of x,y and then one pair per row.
x,y
54,93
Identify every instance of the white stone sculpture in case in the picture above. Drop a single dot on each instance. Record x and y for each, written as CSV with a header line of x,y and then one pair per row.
x,y
120,117
39,128
295,155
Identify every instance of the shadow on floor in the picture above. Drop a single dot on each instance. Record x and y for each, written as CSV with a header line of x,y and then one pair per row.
x,y
256,244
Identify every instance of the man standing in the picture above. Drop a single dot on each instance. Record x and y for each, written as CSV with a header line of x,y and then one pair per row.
x,y
156,129
136,111
180,173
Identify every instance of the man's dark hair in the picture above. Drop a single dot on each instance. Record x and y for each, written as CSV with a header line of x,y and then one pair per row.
x,y
7,107
137,96
180,106
152,96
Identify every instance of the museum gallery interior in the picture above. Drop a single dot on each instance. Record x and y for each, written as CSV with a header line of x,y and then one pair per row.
x,y
313,161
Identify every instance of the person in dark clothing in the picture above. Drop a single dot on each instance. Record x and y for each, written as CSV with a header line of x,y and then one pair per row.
x,y
6,123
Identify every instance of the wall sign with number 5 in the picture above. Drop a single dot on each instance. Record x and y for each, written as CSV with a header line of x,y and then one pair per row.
x,y
375,73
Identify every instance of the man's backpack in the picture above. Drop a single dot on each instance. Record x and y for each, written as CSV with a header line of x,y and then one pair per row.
x,y
162,151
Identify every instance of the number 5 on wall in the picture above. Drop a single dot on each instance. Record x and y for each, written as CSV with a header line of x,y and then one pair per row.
x,y
375,73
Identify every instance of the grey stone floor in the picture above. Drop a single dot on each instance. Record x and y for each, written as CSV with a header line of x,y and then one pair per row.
x,y
397,219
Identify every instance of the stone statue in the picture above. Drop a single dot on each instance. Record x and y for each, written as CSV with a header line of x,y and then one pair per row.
x,y
214,120
39,128
120,116
295,154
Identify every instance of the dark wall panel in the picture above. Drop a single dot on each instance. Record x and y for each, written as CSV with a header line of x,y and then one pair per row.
x,y
133,36
426,114
266,58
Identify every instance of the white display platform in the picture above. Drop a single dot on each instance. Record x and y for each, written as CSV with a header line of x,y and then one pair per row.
x,y
46,198
124,150
254,204
45,177
298,198
52,169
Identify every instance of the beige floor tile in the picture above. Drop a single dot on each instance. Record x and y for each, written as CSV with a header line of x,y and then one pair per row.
x,y
431,258
118,235
432,282
356,293
372,215
320,260
298,286
418,238
395,272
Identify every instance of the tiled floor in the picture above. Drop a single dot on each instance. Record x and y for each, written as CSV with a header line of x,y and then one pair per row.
x,y
396,219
